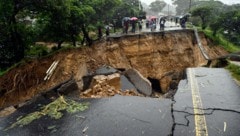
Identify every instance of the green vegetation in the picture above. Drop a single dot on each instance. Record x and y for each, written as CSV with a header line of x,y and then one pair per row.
x,y
221,40
218,21
203,13
25,22
53,110
235,70
37,50
2,72
157,6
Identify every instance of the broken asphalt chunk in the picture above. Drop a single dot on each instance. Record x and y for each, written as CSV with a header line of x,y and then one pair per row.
x,y
142,84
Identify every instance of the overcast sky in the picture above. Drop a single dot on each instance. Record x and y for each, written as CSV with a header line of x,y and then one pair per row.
x,y
170,1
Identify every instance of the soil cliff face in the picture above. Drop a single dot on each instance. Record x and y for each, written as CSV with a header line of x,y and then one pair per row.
x,y
154,55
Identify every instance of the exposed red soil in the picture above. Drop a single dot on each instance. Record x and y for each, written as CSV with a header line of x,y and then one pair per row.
x,y
150,54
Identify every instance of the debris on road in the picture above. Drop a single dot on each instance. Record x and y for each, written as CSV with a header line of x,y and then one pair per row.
x,y
141,83
51,70
106,86
53,109
85,129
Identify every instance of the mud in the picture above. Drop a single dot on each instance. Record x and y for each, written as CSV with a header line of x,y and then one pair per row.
x,y
156,57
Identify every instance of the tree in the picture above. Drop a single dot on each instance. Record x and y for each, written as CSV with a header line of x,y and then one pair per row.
x,y
54,20
128,8
204,13
183,6
229,23
13,31
104,10
157,6
64,20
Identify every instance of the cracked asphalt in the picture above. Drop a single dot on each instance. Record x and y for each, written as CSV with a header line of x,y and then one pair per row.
x,y
206,103
220,108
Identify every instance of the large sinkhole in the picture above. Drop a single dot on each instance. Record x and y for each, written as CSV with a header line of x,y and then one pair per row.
x,y
136,65
108,81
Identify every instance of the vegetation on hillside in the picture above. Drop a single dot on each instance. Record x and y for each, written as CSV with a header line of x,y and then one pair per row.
x,y
220,22
24,22
235,70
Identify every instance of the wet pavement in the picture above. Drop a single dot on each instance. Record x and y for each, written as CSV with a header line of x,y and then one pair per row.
x,y
119,115
206,103
169,26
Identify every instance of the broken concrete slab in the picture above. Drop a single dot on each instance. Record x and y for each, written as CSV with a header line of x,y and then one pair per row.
x,y
105,70
82,71
142,84
70,88
126,84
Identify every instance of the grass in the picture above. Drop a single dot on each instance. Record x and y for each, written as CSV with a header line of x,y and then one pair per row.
x,y
230,47
54,110
2,72
220,39
36,51
235,71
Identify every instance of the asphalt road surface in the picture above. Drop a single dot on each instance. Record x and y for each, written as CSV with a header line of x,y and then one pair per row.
x,y
207,102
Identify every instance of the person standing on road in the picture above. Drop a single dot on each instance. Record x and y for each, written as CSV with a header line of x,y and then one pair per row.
x,y
176,20
133,26
153,26
147,23
162,23
126,27
183,22
107,30
140,25
99,32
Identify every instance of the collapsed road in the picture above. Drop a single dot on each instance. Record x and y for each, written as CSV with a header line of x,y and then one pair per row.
x,y
162,60
205,103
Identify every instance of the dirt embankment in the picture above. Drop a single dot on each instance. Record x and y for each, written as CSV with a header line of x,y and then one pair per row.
x,y
155,56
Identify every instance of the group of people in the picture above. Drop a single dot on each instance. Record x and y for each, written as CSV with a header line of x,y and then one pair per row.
x,y
152,23
133,23
107,31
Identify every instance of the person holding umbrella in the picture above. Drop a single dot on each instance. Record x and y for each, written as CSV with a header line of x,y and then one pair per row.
x,y
133,21
140,25
125,22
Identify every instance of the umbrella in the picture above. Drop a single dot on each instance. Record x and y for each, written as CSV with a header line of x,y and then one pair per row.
x,y
126,19
187,15
153,17
134,18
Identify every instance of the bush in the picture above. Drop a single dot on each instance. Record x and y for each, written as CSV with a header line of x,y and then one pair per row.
x,y
37,51
235,70
220,39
